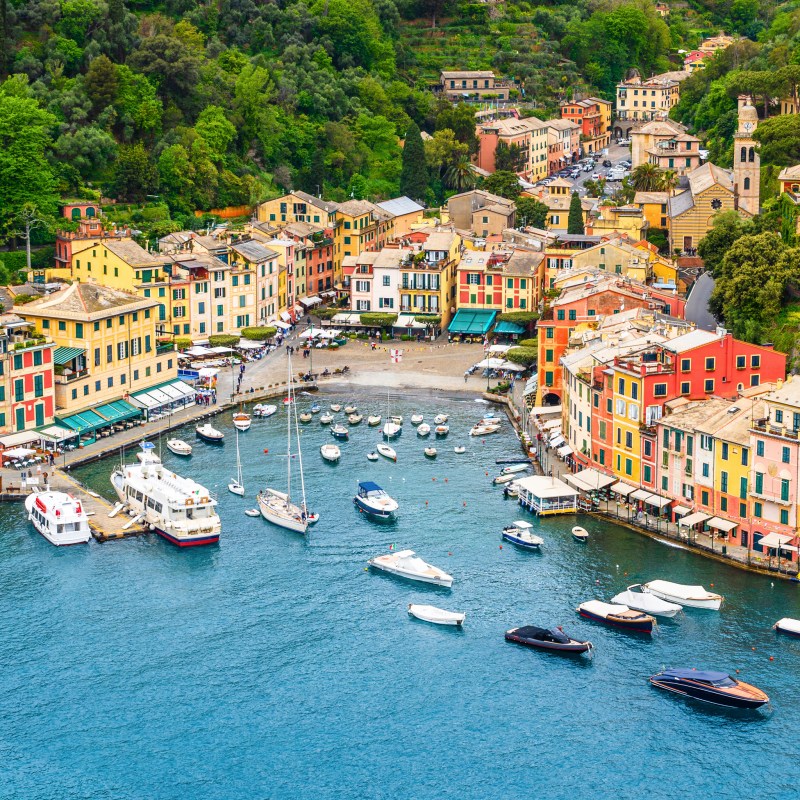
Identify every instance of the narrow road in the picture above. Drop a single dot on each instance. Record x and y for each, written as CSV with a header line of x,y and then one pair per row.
x,y
697,304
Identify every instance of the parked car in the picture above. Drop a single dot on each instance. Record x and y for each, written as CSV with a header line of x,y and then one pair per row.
x,y
595,176
606,163
587,168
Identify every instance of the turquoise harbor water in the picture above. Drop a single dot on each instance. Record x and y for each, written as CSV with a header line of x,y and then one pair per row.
x,y
274,666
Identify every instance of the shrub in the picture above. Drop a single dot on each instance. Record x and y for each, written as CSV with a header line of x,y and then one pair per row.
x,y
375,319
259,333
534,343
223,340
326,313
183,342
522,355
429,319
23,298
523,318
407,337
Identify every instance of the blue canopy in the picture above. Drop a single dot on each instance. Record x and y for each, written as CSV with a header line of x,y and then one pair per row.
x,y
369,486
696,675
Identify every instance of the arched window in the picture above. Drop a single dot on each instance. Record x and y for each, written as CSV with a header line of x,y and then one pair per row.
x,y
746,184
752,154
76,213
743,156
90,211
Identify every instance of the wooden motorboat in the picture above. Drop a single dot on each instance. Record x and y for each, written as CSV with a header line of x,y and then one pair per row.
x,y
417,419
241,421
519,533
330,452
252,512
438,616
617,615
424,429
406,564
708,686
580,534
789,626
179,447
355,419
553,639
208,433
684,595
336,408
264,410
373,500
305,417
644,601
514,469
441,430
387,451
374,420
373,456
511,490
350,410
430,452
325,419
483,430
339,431
459,449
440,419
501,479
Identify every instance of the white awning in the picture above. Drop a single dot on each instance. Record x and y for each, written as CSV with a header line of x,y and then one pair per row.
x,y
639,494
775,540
207,372
512,367
490,363
310,301
310,333
590,480
722,524
408,321
693,519
553,423
559,440
249,344
681,509
623,489
18,452
657,500
17,439
565,451
284,315
55,433
555,435
144,400
539,410
499,348
282,325
198,351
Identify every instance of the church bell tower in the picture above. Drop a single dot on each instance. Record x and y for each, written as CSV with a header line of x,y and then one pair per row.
x,y
746,161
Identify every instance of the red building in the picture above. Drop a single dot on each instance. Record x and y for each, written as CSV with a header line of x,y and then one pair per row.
x,y
316,245
594,118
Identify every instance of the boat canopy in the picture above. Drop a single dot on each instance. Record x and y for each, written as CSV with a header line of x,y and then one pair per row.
x,y
369,486
522,524
546,634
707,676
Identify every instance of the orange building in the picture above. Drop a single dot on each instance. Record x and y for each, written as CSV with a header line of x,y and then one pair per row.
x,y
593,115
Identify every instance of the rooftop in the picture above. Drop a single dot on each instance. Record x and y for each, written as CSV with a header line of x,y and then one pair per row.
x,y
467,74
253,251
788,393
131,253
689,341
85,301
401,205
317,202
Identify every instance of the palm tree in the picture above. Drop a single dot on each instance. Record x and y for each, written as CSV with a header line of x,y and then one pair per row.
x,y
668,181
646,178
460,175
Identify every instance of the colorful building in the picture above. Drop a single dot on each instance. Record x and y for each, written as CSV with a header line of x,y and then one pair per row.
x,y
593,116
460,85
298,207
528,136
360,226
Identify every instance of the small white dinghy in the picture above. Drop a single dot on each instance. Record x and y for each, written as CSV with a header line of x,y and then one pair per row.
x,y
386,451
683,595
649,603
514,468
424,429
241,421
373,420
373,456
441,430
179,447
330,452
264,410
438,616
417,419
460,449
789,626
326,418
252,512
580,534
430,452
440,419
406,564
501,479
483,430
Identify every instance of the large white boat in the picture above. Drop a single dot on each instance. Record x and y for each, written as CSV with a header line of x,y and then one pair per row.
x,y
264,410
683,595
406,564
176,508
277,507
644,601
59,517
241,421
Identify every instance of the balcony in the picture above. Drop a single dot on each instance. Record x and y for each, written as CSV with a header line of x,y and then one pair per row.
x,y
70,376
165,347
765,426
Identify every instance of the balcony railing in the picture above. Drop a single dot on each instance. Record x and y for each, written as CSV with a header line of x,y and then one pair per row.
x,y
74,375
167,347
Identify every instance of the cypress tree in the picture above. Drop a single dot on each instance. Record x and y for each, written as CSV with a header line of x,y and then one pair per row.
x,y
575,220
414,175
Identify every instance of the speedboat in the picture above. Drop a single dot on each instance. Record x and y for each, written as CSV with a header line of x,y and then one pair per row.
x,y
305,417
315,408
514,468
430,452
618,615
441,430
547,639
440,419
580,534
350,410
718,688
264,410
373,500
391,429
208,433
373,456
519,533
787,625
374,420
424,429
483,430
644,601
59,517
386,451
339,431
336,408
406,564
683,595
416,419
511,490
459,449
241,421
330,452
438,616
355,419
179,447
501,479
325,419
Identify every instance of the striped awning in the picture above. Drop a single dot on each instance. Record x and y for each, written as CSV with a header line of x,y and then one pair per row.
x,y
84,422
63,355
117,411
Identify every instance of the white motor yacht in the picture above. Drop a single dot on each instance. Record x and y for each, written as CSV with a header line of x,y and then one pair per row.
x,y
373,500
59,517
406,564
179,447
264,410
644,601
241,421
683,595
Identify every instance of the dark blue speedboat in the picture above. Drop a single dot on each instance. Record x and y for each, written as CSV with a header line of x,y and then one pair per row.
x,y
547,639
519,533
373,500
718,688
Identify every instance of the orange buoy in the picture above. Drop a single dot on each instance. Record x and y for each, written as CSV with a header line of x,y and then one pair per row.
x,y
501,547
266,450
754,649
772,658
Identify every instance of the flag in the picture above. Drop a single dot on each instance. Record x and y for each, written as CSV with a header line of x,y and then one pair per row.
x,y
396,356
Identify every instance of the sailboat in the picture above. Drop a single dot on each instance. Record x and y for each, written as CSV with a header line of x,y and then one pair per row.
x,y
237,486
390,427
276,506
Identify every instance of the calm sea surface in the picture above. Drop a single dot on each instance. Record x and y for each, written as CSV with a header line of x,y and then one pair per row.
x,y
276,666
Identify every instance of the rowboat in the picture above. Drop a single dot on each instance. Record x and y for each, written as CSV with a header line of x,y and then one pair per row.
x,y
643,601
397,419
580,534
683,595
617,615
373,456
374,420
252,512
430,452
441,430
406,564
501,479
179,447
325,419
350,410
330,452
789,626
440,419
483,430
514,468
553,639
424,429
387,451
315,408
336,408
416,419
438,616
355,419
519,533
306,417
717,688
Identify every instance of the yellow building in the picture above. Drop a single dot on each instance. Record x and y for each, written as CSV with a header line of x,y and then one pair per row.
x,y
360,226
648,135
651,98
637,260
255,297
523,280
109,353
298,207
627,412
557,196
607,220
655,207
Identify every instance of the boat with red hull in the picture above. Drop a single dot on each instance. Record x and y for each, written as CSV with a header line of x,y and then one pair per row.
x,y
618,616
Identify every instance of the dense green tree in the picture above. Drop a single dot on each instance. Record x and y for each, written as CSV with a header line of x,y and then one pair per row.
x,y
506,157
216,130
414,175
531,212
646,178
505,184
101,83
575,219
779,138
135,175
726,229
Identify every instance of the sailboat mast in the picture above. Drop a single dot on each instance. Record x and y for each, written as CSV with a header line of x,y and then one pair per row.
x,y
238,461
289,435
300,461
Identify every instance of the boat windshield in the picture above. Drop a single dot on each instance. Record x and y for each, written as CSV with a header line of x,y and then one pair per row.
x,y
724,683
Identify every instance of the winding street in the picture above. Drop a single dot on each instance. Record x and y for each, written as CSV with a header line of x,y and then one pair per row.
x,y
697,304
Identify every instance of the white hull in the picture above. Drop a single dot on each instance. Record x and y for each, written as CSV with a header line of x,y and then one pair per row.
x,y
406,565
690,596
276,508
417,419
424,429
484,430
234,487
438,616
330,452
390,430
179,447
242,422
387,452
48,524
264,411
649,603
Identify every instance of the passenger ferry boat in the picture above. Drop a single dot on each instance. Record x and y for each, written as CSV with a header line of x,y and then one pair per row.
x,y
176,508
59,517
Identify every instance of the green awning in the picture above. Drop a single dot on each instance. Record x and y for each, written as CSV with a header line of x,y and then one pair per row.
x,y
117,411
63,355
85,422
472,320
508,327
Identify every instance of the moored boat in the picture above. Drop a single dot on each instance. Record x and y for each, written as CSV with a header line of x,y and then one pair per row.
x,y
179,447
406,564
264,410
306,417
325,419
417,419
424,429
330,452
459,449
553,639
617,615
438,616
440,419
501,479
430,452
580,534
391,429
241,421
709,686
336,408
355,419
789,626
315,408
373,456
519,533
252,512
373,500
511,490
644,601
441,430
236,486
513,469
59,517
374,420
397,419
147,456
350,410
483,430
684,595
208,433
339,431
386,451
